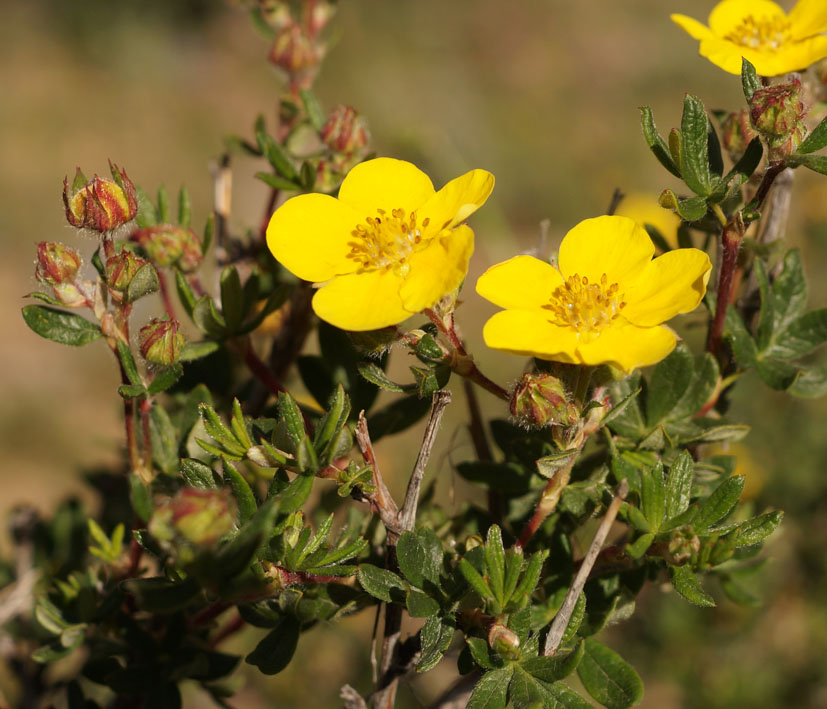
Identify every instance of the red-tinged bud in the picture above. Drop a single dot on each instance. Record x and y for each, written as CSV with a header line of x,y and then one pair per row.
x,y
504,640
296,54
737,133
102,205
345,131
777,113
193,518
121,268
160,341
322,14
541,400
169,244
56,263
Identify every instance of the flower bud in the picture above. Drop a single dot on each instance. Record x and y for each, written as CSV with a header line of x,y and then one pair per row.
x,y
504,640
541,400
345,131
101,204
737,133
168,244
56,263
683,545
777,112
296,54
121,268
160,341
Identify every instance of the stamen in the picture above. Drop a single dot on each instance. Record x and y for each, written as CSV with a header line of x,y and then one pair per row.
x,y
386,241
766,34
586,307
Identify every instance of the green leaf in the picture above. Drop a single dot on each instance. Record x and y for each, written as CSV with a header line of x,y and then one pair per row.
x,y
548,465
242,492
688,586
657,144
277,182
219,432
141,498
475,579
277,157
750,81
713,150
312,108
435,636
185,292
757,529
653,496
184,207
419,555
165,378
207,318
164,440
694,153
491,691
144,282
749,161
292,417
671,379
146,210
719,503
379,582
59,326
608,677
689,210
815,141
802,336
620,407
576,620
197,475
553,669
197,350
232,298
376,375
810,383
296,493
480,652
163,205
275,650
816,163
495,561
679,485
638,548
131,391
128,364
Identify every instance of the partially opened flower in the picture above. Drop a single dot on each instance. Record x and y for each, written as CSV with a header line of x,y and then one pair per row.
x,y
760,31
606,302
387,248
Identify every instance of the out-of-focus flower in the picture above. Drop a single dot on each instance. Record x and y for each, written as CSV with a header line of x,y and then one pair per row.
x,y
761,32
644,209
345,131
387,248
606,302
161,343
170,244
737,134
101,204
296,54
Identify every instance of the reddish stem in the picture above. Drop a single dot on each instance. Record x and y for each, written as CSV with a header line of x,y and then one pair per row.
x,y
731,236
146,406
211,612
232,627
260,370
162,285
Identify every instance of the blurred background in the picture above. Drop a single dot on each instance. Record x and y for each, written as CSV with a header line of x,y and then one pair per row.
x,y
544,95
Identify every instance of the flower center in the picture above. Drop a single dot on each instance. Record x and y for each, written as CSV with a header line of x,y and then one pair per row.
x,y
386,241
586,307
767,34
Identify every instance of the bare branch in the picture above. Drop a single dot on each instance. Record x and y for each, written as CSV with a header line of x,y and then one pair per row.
x,y
561,620
384,503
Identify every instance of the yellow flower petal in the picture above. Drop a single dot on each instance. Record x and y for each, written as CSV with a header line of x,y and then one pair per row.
x,y
529,333
628,346
521,283
808,18
728,15
308,234
694,28
616,246
362,301
794,56
673,283
385,183
457,200
437,269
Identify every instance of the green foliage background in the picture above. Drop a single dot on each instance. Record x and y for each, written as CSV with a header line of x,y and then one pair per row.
x,y
545,96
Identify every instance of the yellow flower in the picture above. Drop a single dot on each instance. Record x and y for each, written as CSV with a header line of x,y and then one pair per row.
x,y
606,302
760,31
387,248
644,209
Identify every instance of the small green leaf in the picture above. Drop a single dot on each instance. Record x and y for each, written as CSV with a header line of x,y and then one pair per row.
x,y
141,498
296,493
757,529
687,584
184,207
679,485
312,108
164,440
816,140
277,182
419,555
671,379
436,637
480,652
197,475
376,375
694,151
816,163
495,562
292,417
163,205
379,582
653,491
232,298
59,326
638,548
165,378
275,650
128,364
550,464
492,690
719,503
657,144
475,580
197,350
242,492
277,157
608,677
750,81
144,282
